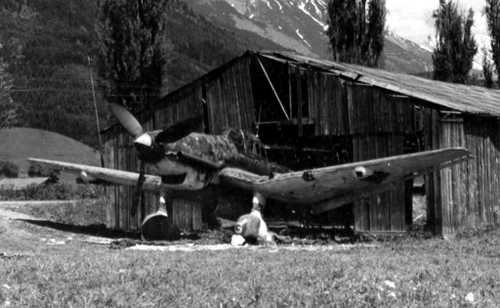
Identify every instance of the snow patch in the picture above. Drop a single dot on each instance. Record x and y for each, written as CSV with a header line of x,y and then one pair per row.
x,y
316,8
268,4
302,37
299,34
302,7
279,5
251,16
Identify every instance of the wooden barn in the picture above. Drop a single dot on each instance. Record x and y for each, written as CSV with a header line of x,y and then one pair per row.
x,y
314,113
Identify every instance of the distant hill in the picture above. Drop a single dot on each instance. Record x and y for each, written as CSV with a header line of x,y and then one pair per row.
x,y
20,143
300,25
200,43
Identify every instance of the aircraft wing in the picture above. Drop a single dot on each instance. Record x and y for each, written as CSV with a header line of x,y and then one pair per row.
x,y
322,184
112,176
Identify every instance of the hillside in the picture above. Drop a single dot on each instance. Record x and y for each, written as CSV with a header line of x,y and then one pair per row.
x,y
46,45
300,25
200,44
28,142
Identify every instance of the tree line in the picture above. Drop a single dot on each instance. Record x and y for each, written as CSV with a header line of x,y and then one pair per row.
x,y
356,33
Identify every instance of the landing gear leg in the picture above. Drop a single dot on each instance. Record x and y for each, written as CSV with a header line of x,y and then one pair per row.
x,y
157,226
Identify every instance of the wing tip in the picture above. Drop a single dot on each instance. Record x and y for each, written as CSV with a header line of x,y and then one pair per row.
x,y
37,160
462,151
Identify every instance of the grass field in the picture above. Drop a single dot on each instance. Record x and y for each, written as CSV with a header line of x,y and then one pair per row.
x,y
44,267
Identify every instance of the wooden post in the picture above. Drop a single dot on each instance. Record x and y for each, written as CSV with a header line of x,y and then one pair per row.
x,y
186,214
299,103
451,134
290,110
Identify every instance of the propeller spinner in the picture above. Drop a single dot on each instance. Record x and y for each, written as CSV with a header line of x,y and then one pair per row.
x,y
149,150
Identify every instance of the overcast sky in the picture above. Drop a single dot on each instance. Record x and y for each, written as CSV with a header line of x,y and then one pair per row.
x,y
412,19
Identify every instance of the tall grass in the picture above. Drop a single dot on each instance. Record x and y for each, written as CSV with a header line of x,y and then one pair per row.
x,y
55,191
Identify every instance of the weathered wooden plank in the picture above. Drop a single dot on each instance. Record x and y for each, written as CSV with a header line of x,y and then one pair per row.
x,y
332,98
351,109
300,103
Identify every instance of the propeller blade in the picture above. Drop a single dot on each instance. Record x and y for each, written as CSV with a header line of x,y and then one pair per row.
x,y
127,120
138,189
179,130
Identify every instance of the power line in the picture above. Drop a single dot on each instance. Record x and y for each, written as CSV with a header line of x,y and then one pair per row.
x,y
84,81
71,91
98,125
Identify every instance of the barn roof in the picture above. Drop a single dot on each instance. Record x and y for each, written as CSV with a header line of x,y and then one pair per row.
x,y
452,96
458,97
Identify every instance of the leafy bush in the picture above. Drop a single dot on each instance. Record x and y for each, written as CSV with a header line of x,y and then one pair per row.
x,y
41,170
8,169
55,191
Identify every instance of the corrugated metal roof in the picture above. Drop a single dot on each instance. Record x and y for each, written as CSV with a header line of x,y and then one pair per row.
x,y
458,97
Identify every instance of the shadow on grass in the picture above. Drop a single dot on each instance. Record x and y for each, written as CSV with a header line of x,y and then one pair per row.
x,y
93,230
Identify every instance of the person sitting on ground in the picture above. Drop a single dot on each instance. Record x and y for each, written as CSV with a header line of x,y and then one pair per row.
x,y
251,228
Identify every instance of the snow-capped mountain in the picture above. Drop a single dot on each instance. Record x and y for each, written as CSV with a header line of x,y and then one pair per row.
x,y
300,25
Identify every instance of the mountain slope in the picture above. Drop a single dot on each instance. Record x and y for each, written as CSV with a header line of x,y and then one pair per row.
x,y
45,44
300,25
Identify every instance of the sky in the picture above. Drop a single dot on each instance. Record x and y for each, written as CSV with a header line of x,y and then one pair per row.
x,y
412,19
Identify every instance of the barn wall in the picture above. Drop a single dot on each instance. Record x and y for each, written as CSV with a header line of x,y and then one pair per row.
x,y
185,105
327,99
379,123
229,103
469,197
230,98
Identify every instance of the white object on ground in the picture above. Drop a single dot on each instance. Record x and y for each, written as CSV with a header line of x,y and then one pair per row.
x,y
390,284
469,298
237,240
98,240
217,247
55,242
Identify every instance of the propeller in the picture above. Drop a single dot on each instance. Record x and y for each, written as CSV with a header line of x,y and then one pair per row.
x,y
149,150
127,120
143,144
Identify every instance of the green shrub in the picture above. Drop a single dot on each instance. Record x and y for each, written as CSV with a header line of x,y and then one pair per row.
x,y
53,191
41,170
8,169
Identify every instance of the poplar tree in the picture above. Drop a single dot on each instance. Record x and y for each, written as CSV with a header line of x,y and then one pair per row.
x,y
8,110
487,70
356,30
492,11
455,44
133,50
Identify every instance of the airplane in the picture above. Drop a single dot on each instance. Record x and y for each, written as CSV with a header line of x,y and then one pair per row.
x,y
181,160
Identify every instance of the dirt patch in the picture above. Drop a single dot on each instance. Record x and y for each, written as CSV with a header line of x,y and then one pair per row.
x,y
271,249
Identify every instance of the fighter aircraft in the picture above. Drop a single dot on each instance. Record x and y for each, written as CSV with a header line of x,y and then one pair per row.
x,y
179,159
